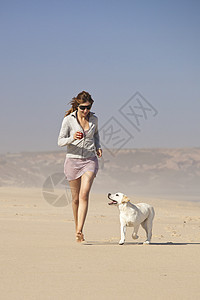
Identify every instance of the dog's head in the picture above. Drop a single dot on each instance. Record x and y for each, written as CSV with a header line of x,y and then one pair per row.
x,y
117,199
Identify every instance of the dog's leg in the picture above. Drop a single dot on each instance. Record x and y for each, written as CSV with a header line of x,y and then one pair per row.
x,y
135,231
123,234
147,225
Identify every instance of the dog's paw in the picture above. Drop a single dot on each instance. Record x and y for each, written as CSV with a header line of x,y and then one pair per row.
x,y
121,242
135,236
146,243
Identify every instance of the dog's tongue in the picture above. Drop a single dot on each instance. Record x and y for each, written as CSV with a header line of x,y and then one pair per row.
x,y
110,203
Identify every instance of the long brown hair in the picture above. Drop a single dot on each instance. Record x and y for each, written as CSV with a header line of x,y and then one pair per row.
x,y
79,99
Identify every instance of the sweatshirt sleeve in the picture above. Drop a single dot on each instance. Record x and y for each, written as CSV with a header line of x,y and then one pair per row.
x,y
64,137
96,137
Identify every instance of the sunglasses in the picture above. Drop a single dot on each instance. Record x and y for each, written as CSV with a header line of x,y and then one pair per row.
x,y
82,107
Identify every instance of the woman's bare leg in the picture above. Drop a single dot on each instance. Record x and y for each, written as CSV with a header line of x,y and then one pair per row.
x,y
86,183
75,189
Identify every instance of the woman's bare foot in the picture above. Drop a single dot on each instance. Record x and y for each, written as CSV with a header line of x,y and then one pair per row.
x,y
80,237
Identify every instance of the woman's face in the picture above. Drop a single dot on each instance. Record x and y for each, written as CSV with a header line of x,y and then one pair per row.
x,y
84,109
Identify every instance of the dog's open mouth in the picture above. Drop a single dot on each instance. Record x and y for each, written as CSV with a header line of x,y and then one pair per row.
x,y
112,201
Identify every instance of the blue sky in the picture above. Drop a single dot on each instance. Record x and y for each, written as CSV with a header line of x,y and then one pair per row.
x,y
52,50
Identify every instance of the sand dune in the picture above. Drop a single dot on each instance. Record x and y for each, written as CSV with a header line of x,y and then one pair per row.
x,y
152,172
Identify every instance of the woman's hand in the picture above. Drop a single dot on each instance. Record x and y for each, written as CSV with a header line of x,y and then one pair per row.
x,y
78,135
99,152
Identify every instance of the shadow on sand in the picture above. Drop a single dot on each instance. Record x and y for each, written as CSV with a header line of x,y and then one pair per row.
x,y
112,243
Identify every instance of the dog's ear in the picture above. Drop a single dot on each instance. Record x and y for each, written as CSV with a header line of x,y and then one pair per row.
x,y
125,199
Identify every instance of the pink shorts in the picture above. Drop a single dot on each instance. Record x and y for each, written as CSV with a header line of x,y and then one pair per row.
x,y
76,167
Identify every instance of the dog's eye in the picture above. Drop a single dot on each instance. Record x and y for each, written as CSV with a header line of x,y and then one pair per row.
x,y
117,195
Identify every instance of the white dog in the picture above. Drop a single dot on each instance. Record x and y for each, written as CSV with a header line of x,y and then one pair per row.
x,y
133,215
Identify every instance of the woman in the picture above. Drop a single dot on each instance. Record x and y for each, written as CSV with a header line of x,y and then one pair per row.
x,y
79,132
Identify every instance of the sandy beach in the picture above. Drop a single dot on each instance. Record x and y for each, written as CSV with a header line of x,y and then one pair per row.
x,y
40,258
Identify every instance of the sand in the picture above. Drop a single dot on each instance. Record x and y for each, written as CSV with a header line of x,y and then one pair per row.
x,y
40,258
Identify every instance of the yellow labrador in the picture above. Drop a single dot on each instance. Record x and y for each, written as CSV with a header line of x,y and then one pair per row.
x,y
132,215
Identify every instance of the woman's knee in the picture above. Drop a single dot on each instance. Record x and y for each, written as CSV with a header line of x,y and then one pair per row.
x,y
84,196
75,200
